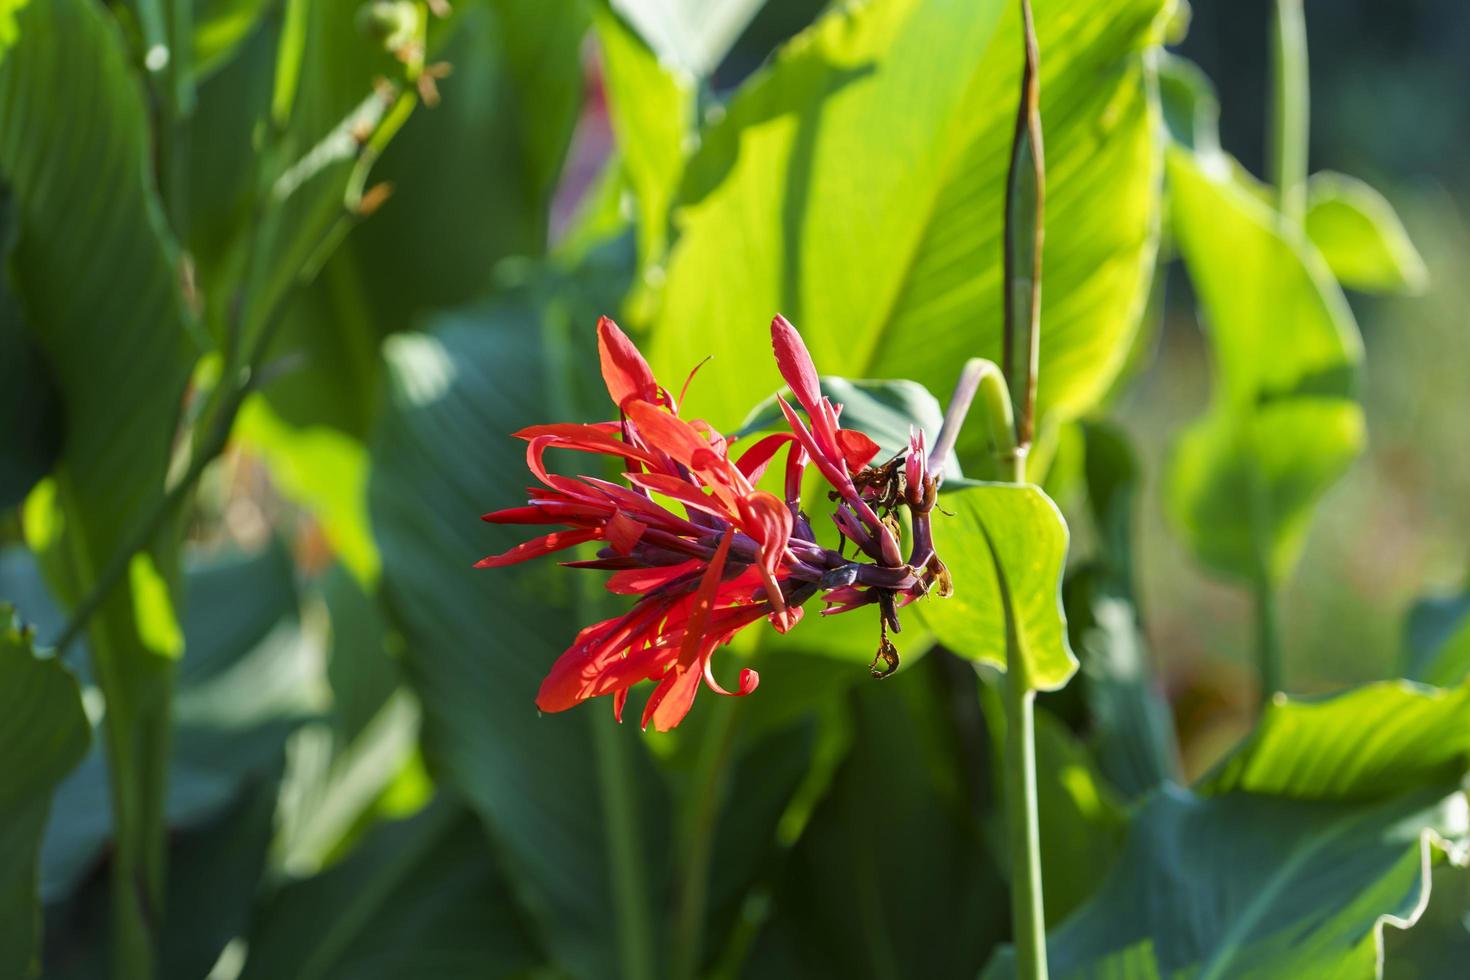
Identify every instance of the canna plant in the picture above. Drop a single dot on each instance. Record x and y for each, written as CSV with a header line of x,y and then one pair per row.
x,y
282,280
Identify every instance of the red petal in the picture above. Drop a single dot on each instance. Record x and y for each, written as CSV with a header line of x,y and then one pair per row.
x,y
767,519
620,698
636,581
749,681
623,532
683,443
835,473
624,370
672,699
544,545
795,364
754,461
857,449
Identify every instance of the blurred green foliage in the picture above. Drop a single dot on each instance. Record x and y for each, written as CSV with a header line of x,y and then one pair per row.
x,y
277,288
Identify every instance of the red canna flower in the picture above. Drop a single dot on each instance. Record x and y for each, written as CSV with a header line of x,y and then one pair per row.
x,y
732,554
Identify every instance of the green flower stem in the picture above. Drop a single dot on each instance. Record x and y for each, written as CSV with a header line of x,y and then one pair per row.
x,y
1291,113
1028,921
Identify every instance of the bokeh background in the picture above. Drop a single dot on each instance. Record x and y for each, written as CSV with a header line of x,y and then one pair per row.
x,y
1387,85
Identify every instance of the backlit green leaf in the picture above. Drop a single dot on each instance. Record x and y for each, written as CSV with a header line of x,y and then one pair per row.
x,y
1006,547
1361,237
1283,424
893,267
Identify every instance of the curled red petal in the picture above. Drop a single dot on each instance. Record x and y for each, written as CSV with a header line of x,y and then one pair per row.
x,y
620,698
624,370
749,681
767,519
544,545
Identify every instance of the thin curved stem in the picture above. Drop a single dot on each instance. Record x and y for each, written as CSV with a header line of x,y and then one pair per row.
x,y
1291,111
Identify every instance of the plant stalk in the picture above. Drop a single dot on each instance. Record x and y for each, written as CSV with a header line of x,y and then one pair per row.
x,y
1291,112
1028,919
1024,233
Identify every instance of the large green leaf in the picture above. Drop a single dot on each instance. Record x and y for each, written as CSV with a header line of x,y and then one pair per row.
x,y
1361,237
890,262
651,109
419,898
575,816
1283,425
96,275
1252,886
1291,857
43,735
75,148
1371,742
1005,546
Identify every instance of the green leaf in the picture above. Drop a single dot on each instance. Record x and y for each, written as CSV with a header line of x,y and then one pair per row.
x,y
95,263
423,897
1437,648
221,27
1283,425
1244,885
891,876
43,735
245,684
1372,742
1191,108
885,411
1006,547
651,108
695,35
890,263
1240,492
1292,856
573,808
30,412
1081,817
1361,237
84,199
1439,943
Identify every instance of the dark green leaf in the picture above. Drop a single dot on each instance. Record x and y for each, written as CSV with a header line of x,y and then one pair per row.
x,y
1437,649
420,898
571,805
43,735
